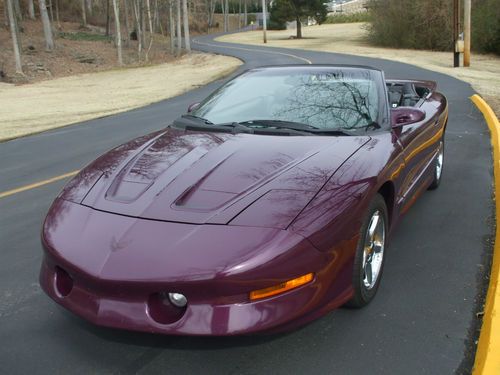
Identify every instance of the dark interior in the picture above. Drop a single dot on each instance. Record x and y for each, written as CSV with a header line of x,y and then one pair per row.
x,y
406,94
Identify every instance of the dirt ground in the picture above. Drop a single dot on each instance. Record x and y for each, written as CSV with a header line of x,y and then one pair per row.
x,y
483,75
78,50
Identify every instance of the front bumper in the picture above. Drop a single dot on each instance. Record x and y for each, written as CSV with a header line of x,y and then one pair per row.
x,y
132,311
109,270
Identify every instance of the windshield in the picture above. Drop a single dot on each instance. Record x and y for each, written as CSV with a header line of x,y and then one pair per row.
x,y
334,99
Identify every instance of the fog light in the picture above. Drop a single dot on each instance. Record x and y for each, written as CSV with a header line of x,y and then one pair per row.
x,y
177,299
64,282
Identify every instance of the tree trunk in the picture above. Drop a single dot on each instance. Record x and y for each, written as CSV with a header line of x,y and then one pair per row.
x,y
107,18
143,23
47,29
187,42
156,18
84,14
172,25
17,11
57,14
127,24
15,37
226,18
179,36
31,9
51,14
138,27
17,20
239,14
211,10
116,10
245,16
5,16
299,28
89,6
150,23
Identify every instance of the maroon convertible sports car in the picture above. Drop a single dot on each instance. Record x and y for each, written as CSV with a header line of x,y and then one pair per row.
x,y
264,207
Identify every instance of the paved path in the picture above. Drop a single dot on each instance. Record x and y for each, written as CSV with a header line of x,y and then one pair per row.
x,y
420,322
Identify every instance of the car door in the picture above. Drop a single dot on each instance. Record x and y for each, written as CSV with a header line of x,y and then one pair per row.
x,y
420,142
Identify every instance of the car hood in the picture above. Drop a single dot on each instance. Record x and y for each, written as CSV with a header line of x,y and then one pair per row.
x,y
207,177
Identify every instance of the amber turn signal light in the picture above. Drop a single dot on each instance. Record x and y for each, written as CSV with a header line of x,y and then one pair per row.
x,y
281,288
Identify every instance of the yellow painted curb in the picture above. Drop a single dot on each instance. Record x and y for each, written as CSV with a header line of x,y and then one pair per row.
x,y
488,351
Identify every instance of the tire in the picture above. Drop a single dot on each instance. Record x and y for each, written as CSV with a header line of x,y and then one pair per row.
x,y
367,275
438,167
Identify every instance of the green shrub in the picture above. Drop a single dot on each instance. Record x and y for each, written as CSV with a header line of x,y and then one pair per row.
x,y
349,18
423,24
486,26
428,24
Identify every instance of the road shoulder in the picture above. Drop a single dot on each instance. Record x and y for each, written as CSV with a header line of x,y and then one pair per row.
x,y
487,354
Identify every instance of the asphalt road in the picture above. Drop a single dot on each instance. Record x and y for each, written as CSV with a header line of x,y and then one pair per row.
x,y
422,321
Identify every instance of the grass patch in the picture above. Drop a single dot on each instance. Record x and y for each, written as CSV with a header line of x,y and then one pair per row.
x,y
83,36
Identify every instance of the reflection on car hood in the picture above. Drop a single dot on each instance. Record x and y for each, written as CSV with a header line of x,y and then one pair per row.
x,y
209,177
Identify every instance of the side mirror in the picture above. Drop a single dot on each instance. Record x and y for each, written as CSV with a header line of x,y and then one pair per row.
x,y
406,115
193,106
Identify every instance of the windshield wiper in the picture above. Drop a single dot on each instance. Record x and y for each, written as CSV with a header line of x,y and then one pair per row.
x,y
206,121
281,124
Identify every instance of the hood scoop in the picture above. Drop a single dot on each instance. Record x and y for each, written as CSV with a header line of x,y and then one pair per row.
x,y
196,177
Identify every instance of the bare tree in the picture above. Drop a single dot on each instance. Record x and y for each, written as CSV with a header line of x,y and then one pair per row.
x,y
225,10
116,10
84,14
138,26
17,10
31,9
143,23
187,42
57,14
239,14
245,15
179,36
15,37
107,17
172,25
150,23
5,16
156,18
127,24
47,29
211,10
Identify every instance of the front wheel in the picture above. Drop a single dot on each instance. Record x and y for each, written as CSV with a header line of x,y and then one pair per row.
x,y
438,167
369,258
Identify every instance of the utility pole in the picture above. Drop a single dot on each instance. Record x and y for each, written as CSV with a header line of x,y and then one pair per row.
x,y
456,33
467,34
264,20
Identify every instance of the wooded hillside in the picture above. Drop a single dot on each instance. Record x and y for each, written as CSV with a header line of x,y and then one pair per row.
x,y
145,27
